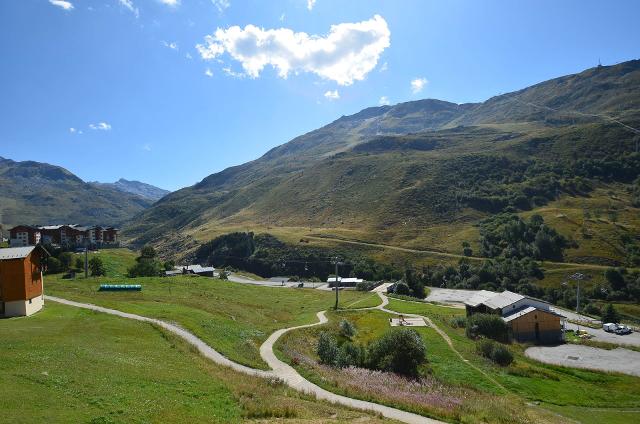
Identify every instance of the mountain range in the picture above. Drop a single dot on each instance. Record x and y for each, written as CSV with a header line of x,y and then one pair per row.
x,y
422,174
144,190
40,193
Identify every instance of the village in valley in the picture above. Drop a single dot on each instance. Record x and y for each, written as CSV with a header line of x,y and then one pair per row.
x,y
401,259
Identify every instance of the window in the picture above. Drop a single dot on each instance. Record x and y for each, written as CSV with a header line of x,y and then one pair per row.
x,y
30,301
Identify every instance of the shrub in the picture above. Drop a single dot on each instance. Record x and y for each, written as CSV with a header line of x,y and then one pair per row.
x,y
347,329
488,325
349,355
458,322
402,288
496,352
327,349
53,266
79,263
66,258
97,267
501,355
364,286
400,350
484,347
145,269
610,314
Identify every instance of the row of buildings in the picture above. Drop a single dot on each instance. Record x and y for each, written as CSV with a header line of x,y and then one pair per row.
x,y
68,235
528,319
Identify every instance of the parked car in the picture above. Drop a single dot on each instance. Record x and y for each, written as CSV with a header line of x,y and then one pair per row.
x,y
610,327
622,330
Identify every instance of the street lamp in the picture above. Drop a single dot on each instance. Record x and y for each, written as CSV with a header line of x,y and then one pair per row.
x,y
577,277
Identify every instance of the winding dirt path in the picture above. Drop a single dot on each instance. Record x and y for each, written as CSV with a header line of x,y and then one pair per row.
x,y
279,370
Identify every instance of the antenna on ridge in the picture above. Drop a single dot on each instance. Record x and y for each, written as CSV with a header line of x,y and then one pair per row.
x,y
599,63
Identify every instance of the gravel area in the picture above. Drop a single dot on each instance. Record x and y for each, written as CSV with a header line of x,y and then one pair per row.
x,y
619,360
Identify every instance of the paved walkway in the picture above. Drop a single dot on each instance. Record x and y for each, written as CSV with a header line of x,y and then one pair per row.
x,y
619,360
280,369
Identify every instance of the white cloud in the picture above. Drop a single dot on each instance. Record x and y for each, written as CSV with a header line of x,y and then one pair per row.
x,y
418,84
384,67
146,147
102,126
232,73
172,3
332,95
72,130
384,101
172,45
282,17
188,56
66,5
347,54
129,5
221,5
310,4
208,73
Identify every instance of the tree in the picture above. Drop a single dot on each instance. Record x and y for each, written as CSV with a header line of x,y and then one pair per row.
x,y
347,329
79,263
400,350
349,355
147,252
65,258
402,288
96,266
466,249
610,314
147,265
327,349
53,266
615,278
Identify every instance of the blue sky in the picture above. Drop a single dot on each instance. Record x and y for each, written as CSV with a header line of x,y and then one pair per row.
x,y
119,88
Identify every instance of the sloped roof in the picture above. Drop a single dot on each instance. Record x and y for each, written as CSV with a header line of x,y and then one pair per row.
x,y
526,310
19,252
502,300
479,297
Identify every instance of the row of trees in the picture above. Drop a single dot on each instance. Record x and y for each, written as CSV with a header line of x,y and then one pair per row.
x,y
61,262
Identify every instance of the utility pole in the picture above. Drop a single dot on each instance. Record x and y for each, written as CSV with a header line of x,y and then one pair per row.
x,y
86,259
337,286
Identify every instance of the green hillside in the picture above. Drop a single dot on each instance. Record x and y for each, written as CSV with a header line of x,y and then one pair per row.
x,y
39,193
423,174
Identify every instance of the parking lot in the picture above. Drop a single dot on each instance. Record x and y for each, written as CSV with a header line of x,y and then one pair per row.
x,y
577,356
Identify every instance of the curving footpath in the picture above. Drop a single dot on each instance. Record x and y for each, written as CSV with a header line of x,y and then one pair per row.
x,y
280,369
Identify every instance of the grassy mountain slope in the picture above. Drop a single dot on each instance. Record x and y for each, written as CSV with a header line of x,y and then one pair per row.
x,y
39,193
422,174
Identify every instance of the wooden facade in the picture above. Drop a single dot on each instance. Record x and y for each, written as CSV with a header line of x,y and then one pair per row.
x,y
21,288
536,326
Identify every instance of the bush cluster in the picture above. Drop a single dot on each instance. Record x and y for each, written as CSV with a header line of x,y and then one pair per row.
x,y
400,351
498,353
487,325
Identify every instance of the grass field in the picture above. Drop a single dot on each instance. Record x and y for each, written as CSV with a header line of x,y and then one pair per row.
x,y
66,365
233,318
534,381
524,382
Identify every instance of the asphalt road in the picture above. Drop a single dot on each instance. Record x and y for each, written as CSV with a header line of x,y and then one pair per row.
x,y
600,335
618,360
